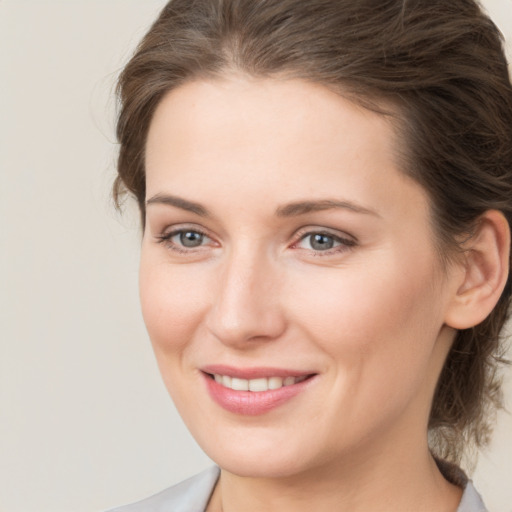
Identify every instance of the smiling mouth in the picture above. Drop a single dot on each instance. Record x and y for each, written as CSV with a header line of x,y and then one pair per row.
x,y
254,391
257,385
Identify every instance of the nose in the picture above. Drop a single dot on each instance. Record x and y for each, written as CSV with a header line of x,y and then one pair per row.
x,y
246,304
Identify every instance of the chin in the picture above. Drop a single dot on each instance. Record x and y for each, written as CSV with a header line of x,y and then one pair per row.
x,y
255,467
268,458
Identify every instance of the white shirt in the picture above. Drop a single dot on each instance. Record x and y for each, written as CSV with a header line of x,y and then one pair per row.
x,y
193,494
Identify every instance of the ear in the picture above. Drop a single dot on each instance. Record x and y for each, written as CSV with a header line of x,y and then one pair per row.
x,y
484,272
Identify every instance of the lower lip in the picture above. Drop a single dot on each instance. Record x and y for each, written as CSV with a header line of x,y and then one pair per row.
x,y
253,403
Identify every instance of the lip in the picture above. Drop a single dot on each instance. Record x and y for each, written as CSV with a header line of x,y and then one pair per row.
x,y
251,403
253,373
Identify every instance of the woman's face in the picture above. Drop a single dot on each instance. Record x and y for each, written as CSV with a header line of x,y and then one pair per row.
x,y
284,252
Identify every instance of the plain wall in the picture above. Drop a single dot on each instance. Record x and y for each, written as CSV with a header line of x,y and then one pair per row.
x,y
86,423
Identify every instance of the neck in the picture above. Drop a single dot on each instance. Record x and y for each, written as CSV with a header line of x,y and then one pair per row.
x,y
393,472
385,482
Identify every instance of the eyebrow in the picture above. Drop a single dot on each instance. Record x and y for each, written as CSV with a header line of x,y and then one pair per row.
x,y
303,207
179,202
288,210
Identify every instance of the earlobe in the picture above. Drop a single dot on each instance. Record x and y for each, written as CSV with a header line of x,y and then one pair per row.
x,y
485,268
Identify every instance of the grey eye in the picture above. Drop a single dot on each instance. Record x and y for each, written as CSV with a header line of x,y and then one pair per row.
x,y
191,238
320,242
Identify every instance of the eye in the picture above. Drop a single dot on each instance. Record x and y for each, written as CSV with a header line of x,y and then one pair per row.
x,y
182,240
320,242
189,238
324,242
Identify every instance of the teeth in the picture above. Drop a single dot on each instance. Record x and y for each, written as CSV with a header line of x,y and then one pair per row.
x,y
275,383
258,384
239,384
289,381
262,384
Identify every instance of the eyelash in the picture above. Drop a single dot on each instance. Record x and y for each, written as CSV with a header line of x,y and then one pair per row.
x,y
344,244
166,239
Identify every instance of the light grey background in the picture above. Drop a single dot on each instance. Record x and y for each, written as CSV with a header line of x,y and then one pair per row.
x,y
85,422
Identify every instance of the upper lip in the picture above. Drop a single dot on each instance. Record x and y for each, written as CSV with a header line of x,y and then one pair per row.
x,y
253,372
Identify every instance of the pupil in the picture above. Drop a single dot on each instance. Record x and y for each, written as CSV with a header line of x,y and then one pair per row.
x,y
191,239
321,242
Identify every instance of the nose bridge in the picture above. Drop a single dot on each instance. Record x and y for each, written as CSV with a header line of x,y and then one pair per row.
x,y
246,300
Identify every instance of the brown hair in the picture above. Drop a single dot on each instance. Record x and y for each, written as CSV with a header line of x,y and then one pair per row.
x,y
441,65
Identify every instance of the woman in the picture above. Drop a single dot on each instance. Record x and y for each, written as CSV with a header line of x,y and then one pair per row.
x,y
326,194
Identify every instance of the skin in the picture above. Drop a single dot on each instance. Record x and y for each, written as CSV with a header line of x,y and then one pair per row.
x,y
367,316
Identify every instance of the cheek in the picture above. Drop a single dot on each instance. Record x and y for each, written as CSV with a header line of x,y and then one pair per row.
x,y
170,306
384,319
378,331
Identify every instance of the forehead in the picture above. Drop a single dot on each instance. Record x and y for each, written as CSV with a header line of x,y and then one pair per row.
x,y
257,101
287,138
253,117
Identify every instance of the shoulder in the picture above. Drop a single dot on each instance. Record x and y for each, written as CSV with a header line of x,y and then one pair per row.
x,y
471,501
191,495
